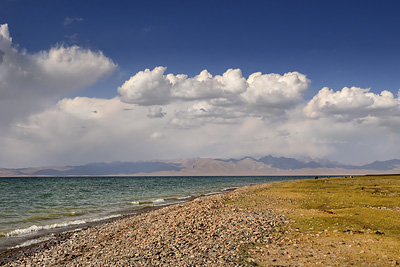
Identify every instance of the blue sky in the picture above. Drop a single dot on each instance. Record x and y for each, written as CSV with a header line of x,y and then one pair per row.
x,y
333,44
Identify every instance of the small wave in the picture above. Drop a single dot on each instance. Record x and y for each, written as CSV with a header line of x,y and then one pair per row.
x,y
135,203
184,198
155,201
23,231
229,189
35,228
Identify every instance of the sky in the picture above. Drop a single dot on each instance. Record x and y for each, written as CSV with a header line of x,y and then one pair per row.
x,y
103,81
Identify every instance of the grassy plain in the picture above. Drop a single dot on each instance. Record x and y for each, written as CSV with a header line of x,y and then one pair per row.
x,y
334,222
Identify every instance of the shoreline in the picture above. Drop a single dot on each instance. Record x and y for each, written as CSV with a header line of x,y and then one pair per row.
x,y
59,235
26,233
49,234
205,231
270,224
43,231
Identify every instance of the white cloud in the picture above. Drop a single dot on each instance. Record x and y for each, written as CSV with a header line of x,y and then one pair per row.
x,y
356,140
276,91
81,130
352,104
4,34
29,82
147,88
166,116
221,98
205,86
78,130
73,65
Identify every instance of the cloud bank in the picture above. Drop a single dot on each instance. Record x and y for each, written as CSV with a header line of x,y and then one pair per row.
x,y
30,82
216,99
352,104
160,115
152,87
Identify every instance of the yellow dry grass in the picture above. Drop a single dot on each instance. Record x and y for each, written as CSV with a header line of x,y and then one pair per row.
x,y
334,222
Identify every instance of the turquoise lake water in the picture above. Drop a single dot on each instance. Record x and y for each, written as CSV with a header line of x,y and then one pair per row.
x,y
34,208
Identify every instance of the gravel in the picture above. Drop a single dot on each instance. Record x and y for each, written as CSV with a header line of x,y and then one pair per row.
x,y
207,231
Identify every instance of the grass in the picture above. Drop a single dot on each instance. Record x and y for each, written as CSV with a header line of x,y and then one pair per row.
x,y
348,221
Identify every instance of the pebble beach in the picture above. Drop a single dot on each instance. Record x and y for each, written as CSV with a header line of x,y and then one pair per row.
x,y
207,231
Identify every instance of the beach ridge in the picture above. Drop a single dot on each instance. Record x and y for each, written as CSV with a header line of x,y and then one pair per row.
x,y
205,231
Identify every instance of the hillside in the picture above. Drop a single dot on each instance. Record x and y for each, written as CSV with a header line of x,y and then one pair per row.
x,y
267,165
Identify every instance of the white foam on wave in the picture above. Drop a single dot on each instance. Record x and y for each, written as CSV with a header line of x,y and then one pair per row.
x,y
183,198
35,228
229,189
160,200
154,202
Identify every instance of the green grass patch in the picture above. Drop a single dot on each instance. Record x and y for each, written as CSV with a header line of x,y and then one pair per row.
x,y
361,202
362,210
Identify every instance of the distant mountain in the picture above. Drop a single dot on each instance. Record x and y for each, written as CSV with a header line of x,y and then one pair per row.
x,y
288,163
112,168
382,165
268,165
293,164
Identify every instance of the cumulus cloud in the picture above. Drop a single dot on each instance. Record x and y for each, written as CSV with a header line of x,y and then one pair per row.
x,y
82,130
147,88
4,34
73,65
352,103
205,86
220,98
160,115
276,91
152,87
29,82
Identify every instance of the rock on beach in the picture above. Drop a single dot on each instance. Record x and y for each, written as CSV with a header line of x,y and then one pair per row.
x,y
207,231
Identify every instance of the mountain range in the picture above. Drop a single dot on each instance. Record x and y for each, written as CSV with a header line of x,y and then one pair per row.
x,y
267,165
